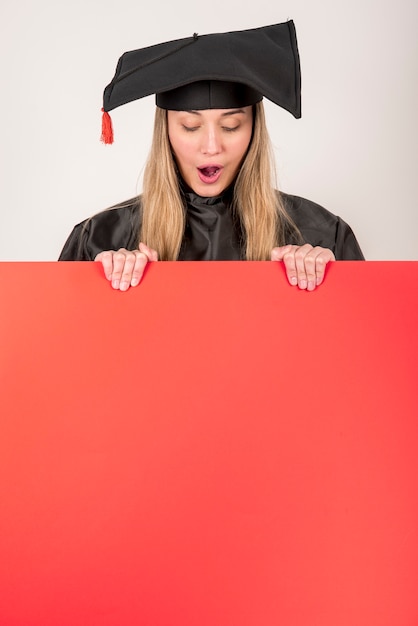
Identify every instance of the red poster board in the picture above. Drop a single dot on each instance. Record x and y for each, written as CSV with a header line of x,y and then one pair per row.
x,y
213,447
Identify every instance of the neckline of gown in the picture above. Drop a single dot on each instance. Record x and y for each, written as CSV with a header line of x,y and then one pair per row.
x,y
211,202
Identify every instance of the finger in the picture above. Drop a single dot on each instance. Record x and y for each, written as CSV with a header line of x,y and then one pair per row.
x,y
324,257
315,263
106,259
119,259
141,261
127,270
307,278
286,254
278,253
289,261
151,254
305,265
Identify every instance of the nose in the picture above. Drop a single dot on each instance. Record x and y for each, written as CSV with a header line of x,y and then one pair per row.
x,y
211,141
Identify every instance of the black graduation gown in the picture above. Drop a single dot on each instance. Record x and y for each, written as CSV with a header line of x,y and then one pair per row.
x,y
210,234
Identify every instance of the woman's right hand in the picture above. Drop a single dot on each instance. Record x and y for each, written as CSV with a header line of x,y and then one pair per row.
x,y
125,268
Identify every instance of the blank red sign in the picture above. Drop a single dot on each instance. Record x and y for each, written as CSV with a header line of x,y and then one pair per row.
x,y
213,447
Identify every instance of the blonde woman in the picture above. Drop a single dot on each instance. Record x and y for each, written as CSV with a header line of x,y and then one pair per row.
x,y
208,192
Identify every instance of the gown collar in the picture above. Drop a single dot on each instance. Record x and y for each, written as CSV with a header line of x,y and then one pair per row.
x,y
203,203
212,232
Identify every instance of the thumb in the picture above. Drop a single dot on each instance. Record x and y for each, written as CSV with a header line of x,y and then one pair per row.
x,y
149,252
278,253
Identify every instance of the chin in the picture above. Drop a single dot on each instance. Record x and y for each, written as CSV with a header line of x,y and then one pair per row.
x,y
208,191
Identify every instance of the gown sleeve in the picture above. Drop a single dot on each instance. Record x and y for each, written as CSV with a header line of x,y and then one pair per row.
x,y
75,248
112,229
346,246
320,227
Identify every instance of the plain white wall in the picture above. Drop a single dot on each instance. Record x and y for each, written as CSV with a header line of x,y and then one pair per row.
x,y
353,151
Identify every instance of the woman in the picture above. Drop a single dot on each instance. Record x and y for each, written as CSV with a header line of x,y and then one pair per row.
x,y
207,192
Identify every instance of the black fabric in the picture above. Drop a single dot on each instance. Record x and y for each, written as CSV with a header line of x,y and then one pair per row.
x,y
208,94
211,233
265,59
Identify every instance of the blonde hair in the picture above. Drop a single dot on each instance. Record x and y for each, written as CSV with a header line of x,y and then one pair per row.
x,y
257,205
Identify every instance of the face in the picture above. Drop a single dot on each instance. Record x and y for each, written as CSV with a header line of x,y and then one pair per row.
x,y
209,146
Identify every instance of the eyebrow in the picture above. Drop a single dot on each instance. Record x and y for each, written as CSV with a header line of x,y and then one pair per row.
x,y
232,112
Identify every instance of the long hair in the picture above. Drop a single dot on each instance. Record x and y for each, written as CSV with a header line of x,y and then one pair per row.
x,y
257,205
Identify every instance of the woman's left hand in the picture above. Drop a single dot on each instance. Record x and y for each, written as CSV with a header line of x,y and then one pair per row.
x,y
305,265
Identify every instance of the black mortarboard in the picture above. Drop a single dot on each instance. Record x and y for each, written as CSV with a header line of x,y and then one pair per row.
x,y
222,70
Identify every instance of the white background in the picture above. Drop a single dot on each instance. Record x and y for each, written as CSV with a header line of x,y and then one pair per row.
x,y
353,151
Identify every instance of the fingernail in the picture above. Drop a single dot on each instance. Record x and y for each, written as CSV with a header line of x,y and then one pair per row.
x,y
303,284
115,284
293,280
311,285
134,282
124,286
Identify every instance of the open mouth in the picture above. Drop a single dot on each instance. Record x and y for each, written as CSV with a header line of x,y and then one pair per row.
x,y
209,173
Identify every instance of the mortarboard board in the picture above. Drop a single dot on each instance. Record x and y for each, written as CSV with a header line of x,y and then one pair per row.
x,y
221,70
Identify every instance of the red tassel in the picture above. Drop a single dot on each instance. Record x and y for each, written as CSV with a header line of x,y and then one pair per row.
x,y
107,130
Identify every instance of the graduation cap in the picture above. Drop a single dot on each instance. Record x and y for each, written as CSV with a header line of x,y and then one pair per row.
x,y
217,71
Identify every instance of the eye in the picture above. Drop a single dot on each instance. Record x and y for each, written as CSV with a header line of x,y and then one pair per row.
x,y
189,129
230,129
